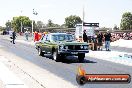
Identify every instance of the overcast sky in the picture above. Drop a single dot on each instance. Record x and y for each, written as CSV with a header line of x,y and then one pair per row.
x,y
106,12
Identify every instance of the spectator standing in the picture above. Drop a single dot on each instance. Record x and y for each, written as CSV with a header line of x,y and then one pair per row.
x,y
13,37
107,37
85,38
100,39
26,35
36,36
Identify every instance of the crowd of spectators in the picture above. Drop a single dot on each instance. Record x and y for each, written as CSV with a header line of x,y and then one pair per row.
x,y
104,38
117,36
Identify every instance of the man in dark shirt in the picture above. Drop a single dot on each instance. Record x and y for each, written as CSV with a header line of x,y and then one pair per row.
x,y
13,37
85,38
107,40
100,39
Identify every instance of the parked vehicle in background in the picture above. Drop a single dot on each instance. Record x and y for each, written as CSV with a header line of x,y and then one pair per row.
x,y
60,45
5,32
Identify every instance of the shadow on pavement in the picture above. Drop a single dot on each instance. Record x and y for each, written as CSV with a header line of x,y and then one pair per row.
x,y
70,59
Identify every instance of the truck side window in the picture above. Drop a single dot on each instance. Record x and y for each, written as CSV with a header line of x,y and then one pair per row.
x,y
43,38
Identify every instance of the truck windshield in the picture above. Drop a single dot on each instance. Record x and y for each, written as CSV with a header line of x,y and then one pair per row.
x,y
62,37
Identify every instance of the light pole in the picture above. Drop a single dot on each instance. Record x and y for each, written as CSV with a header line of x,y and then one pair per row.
x,y
34,13
21,22
83,16
21,26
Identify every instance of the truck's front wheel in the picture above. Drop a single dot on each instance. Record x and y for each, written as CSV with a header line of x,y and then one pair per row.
x,y
56,56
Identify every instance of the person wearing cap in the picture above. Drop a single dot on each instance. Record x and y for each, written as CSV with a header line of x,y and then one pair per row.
x,y
26,35
85,38
107,37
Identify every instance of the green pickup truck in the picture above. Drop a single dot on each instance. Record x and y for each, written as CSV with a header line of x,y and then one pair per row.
x,y
60,45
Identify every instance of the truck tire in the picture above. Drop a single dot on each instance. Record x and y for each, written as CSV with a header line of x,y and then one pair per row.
x,y
81,57
56,56
40,52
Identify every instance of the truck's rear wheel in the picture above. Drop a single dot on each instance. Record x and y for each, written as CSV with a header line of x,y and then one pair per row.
x,y
40,52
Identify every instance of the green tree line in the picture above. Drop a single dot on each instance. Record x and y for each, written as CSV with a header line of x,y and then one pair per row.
x,y
25,22
126,21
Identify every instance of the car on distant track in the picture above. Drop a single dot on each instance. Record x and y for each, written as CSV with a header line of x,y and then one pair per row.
x,y
60,45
